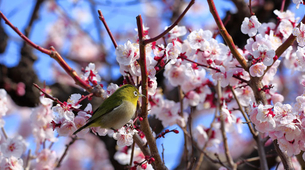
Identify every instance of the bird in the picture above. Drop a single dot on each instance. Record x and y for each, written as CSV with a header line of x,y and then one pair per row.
x,y
116,110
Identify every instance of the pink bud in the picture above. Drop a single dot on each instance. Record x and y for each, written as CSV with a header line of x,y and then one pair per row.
x,y
20,89
144,166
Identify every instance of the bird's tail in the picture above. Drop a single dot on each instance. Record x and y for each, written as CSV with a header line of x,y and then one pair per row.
x,y
81,128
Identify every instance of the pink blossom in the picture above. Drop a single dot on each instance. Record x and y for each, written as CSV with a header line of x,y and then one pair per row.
x,y
200,135
13,147
173,50
264,53
177,31
124,136
11,163
3,102
199,39
250,26
257,70
127,53
299,32
91,74
46,159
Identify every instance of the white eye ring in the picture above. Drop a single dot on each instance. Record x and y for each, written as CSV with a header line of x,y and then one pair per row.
x,y
135,93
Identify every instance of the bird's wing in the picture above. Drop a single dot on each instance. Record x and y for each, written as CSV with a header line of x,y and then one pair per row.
x,y
105,110
102,109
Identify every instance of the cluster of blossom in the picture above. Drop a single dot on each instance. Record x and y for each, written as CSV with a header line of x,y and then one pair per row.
x,y
283,123
11,149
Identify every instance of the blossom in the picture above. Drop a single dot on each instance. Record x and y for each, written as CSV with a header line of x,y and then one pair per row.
x,y
297,2
299,32
12,163
250,26
13,147
257,70
46,159
91,74
199,39
127,53
176,73
173,50
177,31
285,27
264,53
200,135
124,136
285,15
3,102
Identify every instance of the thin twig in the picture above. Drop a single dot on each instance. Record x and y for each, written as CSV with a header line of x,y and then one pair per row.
x,y
222,127
206,144
180,93
250,8
244,114
101,17
287,163
162,152
66,151
171,26
132,153
189,122
27,162
4,133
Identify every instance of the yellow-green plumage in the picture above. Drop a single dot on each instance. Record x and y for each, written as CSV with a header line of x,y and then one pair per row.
x,y
116,110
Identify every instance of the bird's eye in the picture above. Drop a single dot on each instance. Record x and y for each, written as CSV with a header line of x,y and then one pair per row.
x,y
135,93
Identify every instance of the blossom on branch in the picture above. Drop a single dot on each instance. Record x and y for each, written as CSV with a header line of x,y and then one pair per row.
x,y
250,26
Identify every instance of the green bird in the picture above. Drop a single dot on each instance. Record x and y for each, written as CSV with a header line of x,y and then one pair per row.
x,y
116,110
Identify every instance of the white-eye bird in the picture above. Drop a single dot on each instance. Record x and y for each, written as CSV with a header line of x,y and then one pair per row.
x,y
116,110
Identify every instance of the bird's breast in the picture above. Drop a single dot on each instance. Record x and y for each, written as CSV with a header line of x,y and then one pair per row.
x,y
119,116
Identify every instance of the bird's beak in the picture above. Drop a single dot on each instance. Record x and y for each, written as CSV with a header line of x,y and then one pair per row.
x,y
142,95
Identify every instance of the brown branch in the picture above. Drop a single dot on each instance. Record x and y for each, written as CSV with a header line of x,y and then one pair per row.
x,y
66,151
171,26
287,163
226,36
180,93
137,139
158,164
132,153
101,17
55,55
206,144
43,50
254,134
222,127
250,7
